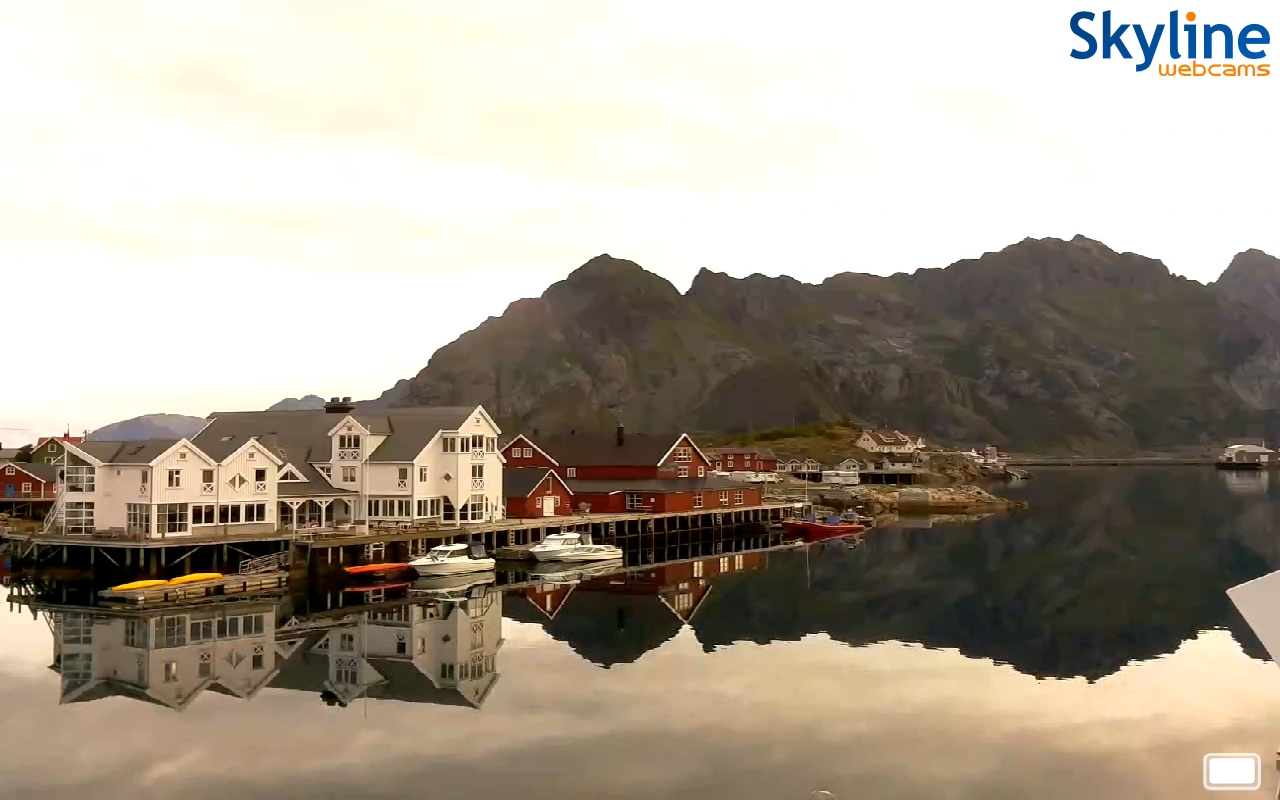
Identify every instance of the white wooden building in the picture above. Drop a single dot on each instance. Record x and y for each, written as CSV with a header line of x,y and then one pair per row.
x,y
261,471
886,441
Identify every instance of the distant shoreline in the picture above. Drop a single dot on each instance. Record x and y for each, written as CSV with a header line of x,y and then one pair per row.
x,y
1138,461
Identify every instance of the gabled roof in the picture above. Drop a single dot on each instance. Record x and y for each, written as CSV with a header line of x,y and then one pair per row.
x,y
762,452
45,473
711,483
887,437
10,453
526,440
603,450
139,452
409,430
521,481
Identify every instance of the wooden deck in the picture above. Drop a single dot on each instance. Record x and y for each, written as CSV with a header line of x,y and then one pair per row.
x,y
227,585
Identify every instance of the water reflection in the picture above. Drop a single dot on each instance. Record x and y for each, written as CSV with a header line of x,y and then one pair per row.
x,y
1245,482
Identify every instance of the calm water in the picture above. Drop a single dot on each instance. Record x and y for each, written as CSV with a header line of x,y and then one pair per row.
x,y
1084,648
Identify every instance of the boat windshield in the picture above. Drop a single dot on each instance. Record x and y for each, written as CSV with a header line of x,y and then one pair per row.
x,y
561,539
447,551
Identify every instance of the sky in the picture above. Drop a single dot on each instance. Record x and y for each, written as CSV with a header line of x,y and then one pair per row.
x,y
211,208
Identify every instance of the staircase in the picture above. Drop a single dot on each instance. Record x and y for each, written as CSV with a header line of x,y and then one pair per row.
x,y
268,563
53,521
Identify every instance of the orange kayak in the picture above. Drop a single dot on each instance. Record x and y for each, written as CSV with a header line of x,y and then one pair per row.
x,y
374,569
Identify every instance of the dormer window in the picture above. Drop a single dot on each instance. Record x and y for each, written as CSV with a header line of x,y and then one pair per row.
x,y
289,475
348,441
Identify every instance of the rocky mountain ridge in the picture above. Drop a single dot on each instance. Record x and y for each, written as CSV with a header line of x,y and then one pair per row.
x,y
1047,344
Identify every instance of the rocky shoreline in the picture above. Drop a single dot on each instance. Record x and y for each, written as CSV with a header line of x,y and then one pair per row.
x,y
962,499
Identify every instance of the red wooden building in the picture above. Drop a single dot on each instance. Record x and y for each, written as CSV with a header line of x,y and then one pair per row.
x,y
20,481
743,459
535,492
631,472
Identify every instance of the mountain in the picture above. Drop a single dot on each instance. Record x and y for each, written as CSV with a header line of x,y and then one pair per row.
x,y
149,426
1049,345
308,402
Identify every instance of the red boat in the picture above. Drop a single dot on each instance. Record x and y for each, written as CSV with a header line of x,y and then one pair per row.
x,y
810,530
376,569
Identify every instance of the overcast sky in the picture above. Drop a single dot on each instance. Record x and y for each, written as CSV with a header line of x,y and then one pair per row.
x,y
213,206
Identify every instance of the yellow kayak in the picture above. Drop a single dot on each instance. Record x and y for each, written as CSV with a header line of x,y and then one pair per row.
x,y
129,587
195,577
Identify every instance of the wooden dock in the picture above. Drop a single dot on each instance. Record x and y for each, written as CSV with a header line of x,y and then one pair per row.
x,y
226,585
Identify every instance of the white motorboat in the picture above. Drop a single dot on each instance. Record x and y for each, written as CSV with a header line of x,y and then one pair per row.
x,y
573,547
459,586
561,573
453,559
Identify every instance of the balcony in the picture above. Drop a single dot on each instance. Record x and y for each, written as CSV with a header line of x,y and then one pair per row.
x,y
45,493
345,454
477,483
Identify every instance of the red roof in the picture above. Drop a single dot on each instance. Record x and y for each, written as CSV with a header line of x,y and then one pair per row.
x,y
71,439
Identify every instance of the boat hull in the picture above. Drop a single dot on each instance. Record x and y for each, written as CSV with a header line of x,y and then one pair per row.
x,y
448,583
198,577
460,567
818,531
568,555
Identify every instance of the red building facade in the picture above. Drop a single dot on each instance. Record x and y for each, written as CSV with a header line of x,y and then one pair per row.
x,y
743,459
27,482
535,492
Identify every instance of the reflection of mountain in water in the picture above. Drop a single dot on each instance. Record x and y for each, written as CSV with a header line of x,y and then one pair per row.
x,y
1101,573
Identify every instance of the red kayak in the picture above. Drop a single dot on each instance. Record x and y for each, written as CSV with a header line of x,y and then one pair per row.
x,y
376,569
814,531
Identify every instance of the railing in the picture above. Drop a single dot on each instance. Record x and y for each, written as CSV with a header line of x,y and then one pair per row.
x,y
267,563
348,455
45,493
402,484
205,488
477,455
260,487
477,483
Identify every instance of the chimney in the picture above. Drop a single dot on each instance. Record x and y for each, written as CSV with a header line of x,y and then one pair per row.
x,y
535,431
622,437
572,431
339,406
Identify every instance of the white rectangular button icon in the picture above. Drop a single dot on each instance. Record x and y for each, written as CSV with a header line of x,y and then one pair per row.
x,y
1226,772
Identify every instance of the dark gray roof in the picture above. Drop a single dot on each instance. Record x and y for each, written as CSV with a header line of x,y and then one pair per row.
x,y
138,452
763,452
520,481
305,671
410,429
602,450
43,472
712,483
10,453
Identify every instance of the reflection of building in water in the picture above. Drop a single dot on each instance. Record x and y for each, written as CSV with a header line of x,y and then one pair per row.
x,y
615,619
168,657
1258,601
433,652
1245,482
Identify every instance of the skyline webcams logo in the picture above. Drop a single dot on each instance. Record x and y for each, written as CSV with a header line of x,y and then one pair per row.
x,y
1203,42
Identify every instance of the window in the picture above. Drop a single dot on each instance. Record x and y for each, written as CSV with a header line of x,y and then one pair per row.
x,y
449,444
477,506
477,476
80,479
171,672
446,672
171,518
77,629
259,481
137,518
10,471
348,441
26,488
684,602
206,664
229,515
135,633
402,644
702,472
78,517
730,462
571,472
402,478
477,635
477,442
429,507
697,569
347,642
251,625
635,502
206,481
737,498
490,444
724,498
347,672
422,474
175,479
228,627
682,472
557,503
697,499
201,630
528,452
77,667
53,448
685,454
252,455
259,658
348,474
203,515
289,476
255,512
173,633
717,465
326,471
182,455
724,565
737,562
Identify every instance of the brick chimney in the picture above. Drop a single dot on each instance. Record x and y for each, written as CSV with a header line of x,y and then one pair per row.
x,y
339,405
622,436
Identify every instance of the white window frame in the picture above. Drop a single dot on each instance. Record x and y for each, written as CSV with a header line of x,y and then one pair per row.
x,y
571,472
423,475
724,498
175,479
697,499
682,471
528,452
737,498
702,472
349,475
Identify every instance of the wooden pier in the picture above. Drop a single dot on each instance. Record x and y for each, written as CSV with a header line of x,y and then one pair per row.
x,y
226,585
318,550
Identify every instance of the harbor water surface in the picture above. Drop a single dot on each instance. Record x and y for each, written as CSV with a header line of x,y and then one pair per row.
x,y
1084,647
